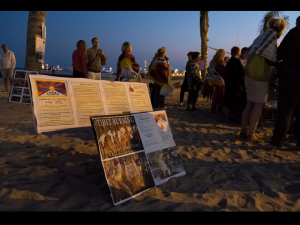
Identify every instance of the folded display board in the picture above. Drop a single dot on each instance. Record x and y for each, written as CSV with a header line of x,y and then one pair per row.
x,y
19,91
61,103
137,152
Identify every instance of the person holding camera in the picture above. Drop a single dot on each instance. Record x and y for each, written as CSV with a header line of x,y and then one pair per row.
x,y
96,58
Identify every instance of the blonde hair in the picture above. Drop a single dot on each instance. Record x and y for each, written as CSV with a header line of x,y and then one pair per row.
x,y
161,52
220,54
126,47
82,45
277,24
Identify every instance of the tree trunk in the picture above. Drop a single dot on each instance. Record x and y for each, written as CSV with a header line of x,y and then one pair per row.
x,y
34,27
204,39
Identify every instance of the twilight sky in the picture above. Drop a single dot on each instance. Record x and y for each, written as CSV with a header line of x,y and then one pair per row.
x,y
146,31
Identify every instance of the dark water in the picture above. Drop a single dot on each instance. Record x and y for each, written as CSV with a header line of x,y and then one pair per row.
x,y
70,73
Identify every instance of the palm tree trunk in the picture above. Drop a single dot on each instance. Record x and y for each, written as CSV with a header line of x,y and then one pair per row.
x,y
34,27
204,39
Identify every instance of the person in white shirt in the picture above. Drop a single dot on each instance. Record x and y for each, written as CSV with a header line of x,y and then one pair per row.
x,y
242,56
7,65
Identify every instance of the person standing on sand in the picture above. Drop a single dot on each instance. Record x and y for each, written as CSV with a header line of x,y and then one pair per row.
x,y
126,59
219,65
242,57
289,83
7,66
184,84
265,45
79,60
193,81
234,84
96,58
159,72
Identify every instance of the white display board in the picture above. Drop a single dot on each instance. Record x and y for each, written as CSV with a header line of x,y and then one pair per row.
x,y
61,103
20,92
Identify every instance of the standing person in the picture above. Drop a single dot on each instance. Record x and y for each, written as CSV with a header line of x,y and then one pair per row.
x,y
7,65
234,83
193,81
264,46
226,59
184,84
218,64
96,58
79,60
289,83
242,57
126,59
159,72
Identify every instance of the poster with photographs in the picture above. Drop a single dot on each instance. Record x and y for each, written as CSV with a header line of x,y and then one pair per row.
x,y
19,92
128,176
165,164
129,168
117,135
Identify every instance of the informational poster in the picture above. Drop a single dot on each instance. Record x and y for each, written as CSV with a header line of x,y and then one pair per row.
x,y
19,92
40,44
131,162
62,103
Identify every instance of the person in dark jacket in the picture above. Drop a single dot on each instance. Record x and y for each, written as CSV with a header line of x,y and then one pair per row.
x,y
184,84
234,84
193,81
289,84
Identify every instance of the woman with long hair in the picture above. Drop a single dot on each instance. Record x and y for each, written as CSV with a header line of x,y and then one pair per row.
x,y
160,74
126,59
265,45
219,65
79,60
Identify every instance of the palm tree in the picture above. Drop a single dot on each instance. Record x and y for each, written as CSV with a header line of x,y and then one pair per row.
x,y
204,39
267,16
34,27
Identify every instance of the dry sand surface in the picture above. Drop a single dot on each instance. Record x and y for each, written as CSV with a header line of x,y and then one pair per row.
x,y
51,171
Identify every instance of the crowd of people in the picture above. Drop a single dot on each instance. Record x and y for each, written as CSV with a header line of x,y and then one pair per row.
x,y
242,80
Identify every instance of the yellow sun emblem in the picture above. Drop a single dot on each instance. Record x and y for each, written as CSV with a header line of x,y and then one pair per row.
x,y
51,88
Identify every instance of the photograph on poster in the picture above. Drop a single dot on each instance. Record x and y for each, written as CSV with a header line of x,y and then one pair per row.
x,y
15,98
26,99
117,135
18,82
26,91
16,90
20,74
128,175
165,163
161,120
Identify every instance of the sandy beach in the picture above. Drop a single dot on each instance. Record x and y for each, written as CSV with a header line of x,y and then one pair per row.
x,y
51,171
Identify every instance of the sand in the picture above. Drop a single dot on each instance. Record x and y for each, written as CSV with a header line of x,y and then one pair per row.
x,y
51,171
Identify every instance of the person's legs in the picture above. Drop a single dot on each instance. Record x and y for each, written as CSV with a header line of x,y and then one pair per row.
x,y
246,115
182,93
195,97
91,75
254,117
220,104
214,103
5,84
288,102
98,76
155,95
189,100
161,101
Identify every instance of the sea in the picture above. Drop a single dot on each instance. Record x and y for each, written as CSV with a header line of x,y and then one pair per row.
x,y
70,73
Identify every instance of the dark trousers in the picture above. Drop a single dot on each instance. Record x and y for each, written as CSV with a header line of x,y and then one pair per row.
x,y
157,100
192,97
78,74
183,90
287,106
217,104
